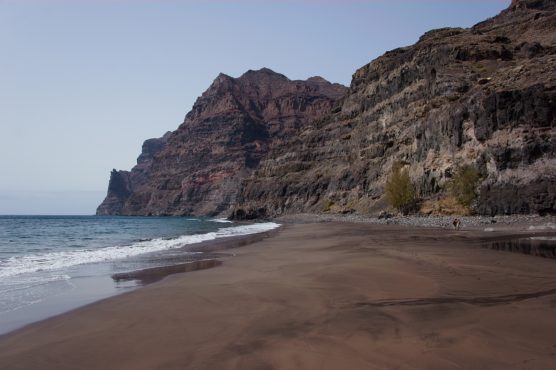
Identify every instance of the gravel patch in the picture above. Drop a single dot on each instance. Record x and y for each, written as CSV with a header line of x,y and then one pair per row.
x,y
480,222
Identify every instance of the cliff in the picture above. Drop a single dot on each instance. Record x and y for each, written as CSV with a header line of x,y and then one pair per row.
x,y
198,169
262,145
484,96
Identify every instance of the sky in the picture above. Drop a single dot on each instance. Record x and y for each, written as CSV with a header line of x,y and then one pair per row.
x,y
84,82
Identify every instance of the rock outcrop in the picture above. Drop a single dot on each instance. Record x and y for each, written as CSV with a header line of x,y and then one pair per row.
x,y
484,96
262,145
198,169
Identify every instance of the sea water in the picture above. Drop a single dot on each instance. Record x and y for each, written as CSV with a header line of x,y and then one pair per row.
x,y
49,264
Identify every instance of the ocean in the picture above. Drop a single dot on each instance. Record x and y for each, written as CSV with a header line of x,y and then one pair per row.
x,y
51,264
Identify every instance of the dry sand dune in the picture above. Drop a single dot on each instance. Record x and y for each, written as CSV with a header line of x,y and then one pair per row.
x,y
319,296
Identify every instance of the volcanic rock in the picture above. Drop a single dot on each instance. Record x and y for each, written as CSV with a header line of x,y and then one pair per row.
x,y
484,96
198,169
262,145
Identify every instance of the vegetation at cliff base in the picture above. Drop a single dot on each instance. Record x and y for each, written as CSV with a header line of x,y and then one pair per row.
x,y
463,185
328,203
399,190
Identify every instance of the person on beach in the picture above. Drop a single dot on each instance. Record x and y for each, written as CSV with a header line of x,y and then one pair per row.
x,y
456,222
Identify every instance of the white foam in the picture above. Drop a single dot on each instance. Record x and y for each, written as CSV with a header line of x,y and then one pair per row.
x,y
489,229
32,281
30,289
17,265
222,220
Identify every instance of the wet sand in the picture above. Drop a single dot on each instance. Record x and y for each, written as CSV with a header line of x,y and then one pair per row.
x,y
320,296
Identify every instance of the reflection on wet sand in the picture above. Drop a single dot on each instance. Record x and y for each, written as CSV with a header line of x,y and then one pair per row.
x,y
535,246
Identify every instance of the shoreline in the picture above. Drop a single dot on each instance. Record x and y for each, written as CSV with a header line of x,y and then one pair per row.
x,y
87,290
212,256
314,295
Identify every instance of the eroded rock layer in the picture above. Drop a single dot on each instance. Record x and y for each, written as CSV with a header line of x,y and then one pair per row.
x,y
197,169
484,96
262,145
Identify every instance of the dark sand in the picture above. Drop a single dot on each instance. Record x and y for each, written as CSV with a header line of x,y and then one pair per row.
x,y
319,296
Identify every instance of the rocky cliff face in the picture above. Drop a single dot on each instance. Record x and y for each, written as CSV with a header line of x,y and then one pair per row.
x,y
262,145
198,169
484,96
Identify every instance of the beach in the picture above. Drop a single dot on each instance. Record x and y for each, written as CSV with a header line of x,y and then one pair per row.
x,y
331,295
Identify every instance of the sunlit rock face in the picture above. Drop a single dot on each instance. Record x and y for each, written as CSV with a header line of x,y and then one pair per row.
x,y
484,96
262,145
198,169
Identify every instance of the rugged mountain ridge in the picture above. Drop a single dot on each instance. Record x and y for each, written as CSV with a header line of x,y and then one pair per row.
x,y
484,96
197,169
262,145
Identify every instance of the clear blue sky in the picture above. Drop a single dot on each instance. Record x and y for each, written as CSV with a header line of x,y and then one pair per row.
x,y
83,83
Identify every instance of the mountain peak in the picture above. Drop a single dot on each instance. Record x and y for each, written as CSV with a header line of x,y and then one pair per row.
x,y
263,72
317,79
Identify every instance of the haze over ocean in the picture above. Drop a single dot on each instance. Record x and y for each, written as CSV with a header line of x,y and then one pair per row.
x,y
84,83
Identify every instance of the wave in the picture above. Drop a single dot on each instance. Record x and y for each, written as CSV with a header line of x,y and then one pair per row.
x,y
222,220
17,265
30,290
31,282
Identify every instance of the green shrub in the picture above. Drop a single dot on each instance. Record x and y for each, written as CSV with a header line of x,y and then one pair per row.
x,y
463,185
327,205
399,190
